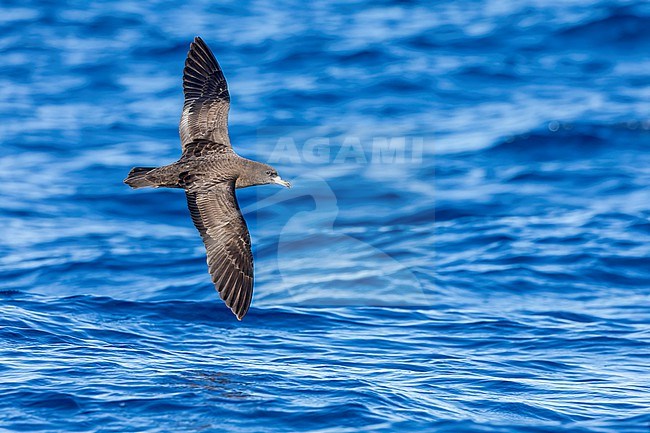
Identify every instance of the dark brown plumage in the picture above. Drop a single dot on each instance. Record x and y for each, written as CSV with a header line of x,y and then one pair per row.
x,y
209,171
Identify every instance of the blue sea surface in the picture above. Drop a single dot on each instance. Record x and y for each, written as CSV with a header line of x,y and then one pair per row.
x,y
466,247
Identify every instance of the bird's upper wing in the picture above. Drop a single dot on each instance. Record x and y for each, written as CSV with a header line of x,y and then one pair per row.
x,y
207,101
216,215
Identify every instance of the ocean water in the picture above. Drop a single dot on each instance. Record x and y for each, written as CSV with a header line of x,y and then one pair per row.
x,y
466,247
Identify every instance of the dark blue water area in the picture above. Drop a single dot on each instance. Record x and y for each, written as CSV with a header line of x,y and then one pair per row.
x,y
466,247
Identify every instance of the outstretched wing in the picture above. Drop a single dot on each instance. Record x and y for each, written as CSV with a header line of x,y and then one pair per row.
x,y
207,101
216,215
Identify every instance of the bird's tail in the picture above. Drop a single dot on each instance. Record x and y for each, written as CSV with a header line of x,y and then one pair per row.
x,y
137,177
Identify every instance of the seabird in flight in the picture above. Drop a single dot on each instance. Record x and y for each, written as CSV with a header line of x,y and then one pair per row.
x,y
209,171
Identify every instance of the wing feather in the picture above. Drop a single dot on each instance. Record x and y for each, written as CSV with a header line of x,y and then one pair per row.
x,y
217,217
207,101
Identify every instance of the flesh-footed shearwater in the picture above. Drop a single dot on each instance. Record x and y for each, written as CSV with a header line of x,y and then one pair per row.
x,y
209,171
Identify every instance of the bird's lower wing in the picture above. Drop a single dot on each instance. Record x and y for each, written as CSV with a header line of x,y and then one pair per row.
x,y
217,217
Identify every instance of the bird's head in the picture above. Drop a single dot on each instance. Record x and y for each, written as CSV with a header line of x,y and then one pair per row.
x,y
260,174
272,176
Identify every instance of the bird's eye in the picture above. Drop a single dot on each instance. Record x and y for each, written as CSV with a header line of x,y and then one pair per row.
x,y
269,172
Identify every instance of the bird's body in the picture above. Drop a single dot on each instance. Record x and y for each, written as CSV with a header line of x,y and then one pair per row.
x,y
209,171
199,172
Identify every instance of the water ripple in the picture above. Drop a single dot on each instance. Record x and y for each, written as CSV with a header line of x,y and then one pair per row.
x,y
496,282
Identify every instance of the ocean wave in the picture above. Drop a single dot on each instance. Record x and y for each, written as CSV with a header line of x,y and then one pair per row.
x,y
495,282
